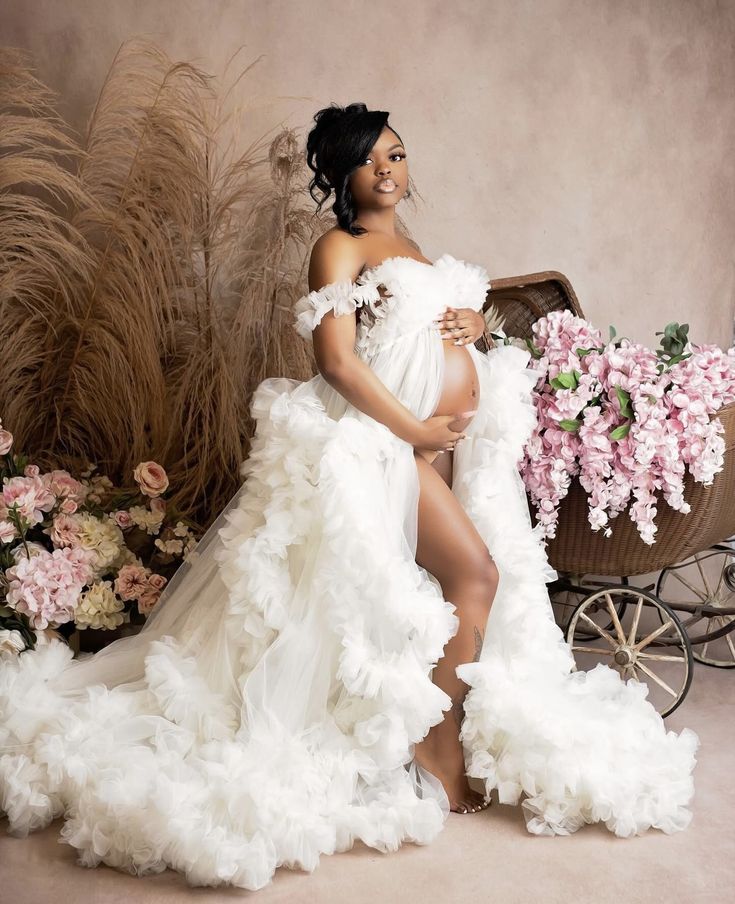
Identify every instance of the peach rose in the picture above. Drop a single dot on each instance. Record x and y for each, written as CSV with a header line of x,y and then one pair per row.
x,y
151,478
158,506
147,600
157,581
6,441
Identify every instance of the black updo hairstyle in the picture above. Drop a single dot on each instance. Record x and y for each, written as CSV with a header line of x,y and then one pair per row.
x,y
339,142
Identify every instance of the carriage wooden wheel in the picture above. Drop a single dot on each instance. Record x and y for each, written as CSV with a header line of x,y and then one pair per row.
x,y
705,582
646,642
567,593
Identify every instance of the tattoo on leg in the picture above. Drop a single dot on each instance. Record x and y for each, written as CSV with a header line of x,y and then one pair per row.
x,y
478,645
458,708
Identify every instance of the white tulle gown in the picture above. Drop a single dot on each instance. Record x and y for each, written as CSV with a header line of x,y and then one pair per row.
x,y
267,712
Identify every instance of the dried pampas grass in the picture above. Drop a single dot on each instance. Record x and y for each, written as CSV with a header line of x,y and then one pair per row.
x,y
147,273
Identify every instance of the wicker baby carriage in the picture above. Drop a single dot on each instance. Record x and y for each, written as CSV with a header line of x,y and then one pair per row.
x,y
638,629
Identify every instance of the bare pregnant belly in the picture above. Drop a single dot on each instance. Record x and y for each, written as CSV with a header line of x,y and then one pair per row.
x,y
460,388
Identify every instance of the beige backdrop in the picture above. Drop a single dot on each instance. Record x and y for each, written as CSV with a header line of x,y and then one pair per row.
x,y
593,137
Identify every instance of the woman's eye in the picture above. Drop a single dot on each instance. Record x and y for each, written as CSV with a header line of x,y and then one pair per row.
x,y
400,157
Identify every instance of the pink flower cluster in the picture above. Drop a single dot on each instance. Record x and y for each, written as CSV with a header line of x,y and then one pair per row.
x,y
31,496
136,582
622,421
46,586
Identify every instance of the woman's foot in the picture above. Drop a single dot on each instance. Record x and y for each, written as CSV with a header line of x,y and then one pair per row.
x,y
449,769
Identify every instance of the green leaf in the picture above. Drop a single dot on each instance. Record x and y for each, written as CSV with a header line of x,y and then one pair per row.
x,y
570,425
535,351
621,431
585,351
624,400
613,332
564,381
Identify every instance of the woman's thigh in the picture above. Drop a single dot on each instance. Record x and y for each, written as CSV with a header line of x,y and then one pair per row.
x,y
449,545
443,464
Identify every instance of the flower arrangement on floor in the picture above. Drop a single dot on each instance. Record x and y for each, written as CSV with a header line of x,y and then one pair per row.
x,y
625,419
82,553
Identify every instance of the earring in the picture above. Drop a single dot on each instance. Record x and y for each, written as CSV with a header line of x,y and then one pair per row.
x,y
408,193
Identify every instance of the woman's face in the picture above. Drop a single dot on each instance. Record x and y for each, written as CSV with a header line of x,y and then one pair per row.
x,y
381,179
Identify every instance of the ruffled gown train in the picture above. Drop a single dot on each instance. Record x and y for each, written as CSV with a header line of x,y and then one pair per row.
x,y
267,712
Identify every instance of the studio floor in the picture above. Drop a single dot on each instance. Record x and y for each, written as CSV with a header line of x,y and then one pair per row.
x,y
487,856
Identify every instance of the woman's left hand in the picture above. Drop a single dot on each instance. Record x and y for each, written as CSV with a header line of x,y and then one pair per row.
x,y
464,325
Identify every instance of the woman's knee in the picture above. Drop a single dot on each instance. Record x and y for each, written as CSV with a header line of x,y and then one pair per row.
x,y
481,574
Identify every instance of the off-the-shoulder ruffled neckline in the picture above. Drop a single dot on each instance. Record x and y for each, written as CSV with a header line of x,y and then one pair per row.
x,y
365,275
393,257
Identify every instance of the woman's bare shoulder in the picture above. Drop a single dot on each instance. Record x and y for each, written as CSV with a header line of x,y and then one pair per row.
x,y
335,256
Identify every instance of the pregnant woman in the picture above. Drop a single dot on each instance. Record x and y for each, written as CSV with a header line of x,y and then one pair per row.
x,y
365,625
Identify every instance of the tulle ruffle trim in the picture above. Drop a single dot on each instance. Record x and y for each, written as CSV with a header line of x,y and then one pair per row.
x,y
580,747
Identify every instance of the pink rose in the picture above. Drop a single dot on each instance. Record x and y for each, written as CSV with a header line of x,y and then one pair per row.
x,y
31,470
158,506
68,505
157,581
61,483
123,519
147,600
151,478
64,531
6,441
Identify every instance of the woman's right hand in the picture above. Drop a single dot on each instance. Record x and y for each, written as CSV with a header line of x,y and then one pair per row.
x,y
443,431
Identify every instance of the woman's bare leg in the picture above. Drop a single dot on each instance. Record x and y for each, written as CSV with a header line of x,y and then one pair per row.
x,y
451,549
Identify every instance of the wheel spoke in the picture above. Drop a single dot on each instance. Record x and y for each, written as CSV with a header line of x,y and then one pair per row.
x,y
730,644
607,652
686,583
655,677
690,622
722,575
661,657
704,579
653,635
616,620
636,617
601,631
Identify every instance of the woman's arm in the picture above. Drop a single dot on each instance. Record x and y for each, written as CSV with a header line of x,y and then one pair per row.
x,y
336,257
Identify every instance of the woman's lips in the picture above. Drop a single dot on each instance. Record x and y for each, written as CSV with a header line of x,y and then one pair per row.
x,y
386,186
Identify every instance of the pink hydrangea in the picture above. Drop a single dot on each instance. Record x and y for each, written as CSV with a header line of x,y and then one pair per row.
x,y
47,586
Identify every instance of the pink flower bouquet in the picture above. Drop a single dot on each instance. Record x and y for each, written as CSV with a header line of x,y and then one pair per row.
x,y
70,550
625,420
